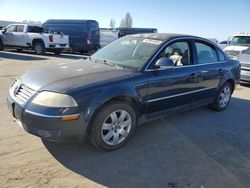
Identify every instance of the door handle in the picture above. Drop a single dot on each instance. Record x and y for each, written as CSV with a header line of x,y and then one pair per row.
x,y
221,70
193,75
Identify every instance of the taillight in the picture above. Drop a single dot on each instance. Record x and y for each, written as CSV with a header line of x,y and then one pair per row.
x,y
88,41
51,38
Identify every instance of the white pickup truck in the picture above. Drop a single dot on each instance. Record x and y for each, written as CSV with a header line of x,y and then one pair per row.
x,y
24,36
239,44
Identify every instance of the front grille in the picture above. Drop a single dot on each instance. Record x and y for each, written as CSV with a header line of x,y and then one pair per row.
x,y
245,65
232,53
20,92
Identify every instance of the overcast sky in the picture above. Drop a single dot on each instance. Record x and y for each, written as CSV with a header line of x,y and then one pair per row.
x,y
207,18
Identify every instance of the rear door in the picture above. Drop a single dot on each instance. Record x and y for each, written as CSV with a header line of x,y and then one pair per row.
x,y
20,36
209,63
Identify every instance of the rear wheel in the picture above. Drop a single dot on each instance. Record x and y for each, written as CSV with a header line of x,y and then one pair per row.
x,y
19,50
39,48
113,126
58,51
1,45
70,50
223,97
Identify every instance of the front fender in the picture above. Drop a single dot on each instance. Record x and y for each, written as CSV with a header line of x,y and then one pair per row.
x,y
108,94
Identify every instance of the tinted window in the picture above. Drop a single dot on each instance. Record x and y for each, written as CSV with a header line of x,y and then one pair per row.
x,y
221,56
35,29
68,29
205,53
20,28
178,52
11,28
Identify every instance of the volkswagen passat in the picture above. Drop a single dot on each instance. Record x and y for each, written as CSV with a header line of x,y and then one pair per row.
x,y
132,80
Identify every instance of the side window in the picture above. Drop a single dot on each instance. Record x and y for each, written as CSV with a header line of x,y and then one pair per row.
x,y
221,56
11,29
20,28
178,52
205,53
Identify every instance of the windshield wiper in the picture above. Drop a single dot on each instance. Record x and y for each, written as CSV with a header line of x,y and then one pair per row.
x,y
109,63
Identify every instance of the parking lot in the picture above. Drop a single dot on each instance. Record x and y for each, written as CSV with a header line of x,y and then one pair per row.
x,y
198,148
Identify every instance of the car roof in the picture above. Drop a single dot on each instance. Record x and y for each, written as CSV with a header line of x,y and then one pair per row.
x,y
168,36
159,36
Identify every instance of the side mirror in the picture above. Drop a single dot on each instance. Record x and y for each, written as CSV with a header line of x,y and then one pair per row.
x,y
164,62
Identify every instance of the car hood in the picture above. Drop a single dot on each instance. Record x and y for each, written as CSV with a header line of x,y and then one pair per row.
x,y
63,76
235,48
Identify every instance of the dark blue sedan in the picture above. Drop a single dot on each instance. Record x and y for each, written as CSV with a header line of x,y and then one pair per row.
x,y
130,81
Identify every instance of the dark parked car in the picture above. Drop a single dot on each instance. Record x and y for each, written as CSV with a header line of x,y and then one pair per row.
x,y
132,80
84,35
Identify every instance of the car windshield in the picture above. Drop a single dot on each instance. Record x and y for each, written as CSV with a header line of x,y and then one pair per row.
x,y
128,52
240,40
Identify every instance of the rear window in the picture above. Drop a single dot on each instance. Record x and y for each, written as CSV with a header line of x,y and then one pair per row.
x,y
35,29
20,28
205,53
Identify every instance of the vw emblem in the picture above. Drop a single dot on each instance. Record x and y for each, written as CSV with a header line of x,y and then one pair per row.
x,y
17,89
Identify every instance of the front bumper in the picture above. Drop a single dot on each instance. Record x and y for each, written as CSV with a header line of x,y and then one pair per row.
x,y
47,125
245,75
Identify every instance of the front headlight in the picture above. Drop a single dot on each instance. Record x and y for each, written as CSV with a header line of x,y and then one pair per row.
x,y
52,99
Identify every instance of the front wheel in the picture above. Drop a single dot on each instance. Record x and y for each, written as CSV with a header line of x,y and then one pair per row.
x,y
112,126
223,97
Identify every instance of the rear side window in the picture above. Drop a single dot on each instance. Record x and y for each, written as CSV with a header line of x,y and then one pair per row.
x,y
68,29
221,56
20,28
35,29
205,53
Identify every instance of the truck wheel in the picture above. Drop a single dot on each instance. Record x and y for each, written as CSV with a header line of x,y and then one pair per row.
x,y
39,48
112,126
222,98
1,45
70,50
58,52
19,50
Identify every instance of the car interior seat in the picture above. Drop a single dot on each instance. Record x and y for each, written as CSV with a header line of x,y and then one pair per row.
x,y
185,58
176,56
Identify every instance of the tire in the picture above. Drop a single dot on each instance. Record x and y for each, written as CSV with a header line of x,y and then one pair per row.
x,y
112,126
39,48
1,45
70,50
58,52
19,50
222,98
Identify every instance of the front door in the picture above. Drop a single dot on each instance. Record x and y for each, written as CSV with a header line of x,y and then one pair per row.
x,y
8,36
174,86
